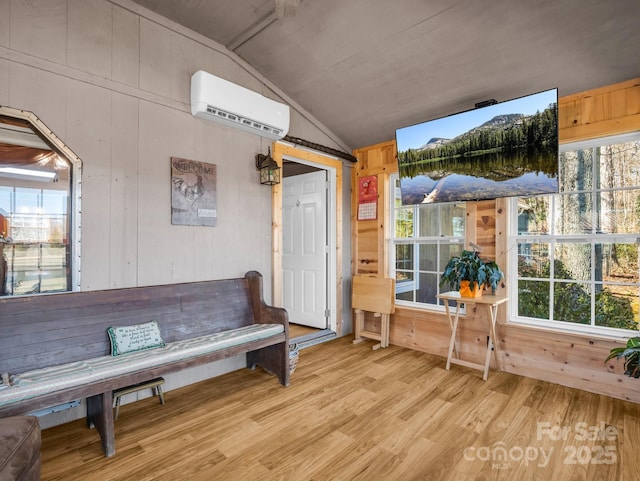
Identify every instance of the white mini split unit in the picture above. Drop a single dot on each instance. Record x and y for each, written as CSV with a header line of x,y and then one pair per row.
x,y
219,100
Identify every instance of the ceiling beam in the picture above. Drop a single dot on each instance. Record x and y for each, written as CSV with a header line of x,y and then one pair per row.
x,y
252,31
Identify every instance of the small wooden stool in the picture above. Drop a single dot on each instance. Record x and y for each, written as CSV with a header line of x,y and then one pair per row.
x,y
154,384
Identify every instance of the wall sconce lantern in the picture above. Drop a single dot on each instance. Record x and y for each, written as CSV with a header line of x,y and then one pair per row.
x,y
269,170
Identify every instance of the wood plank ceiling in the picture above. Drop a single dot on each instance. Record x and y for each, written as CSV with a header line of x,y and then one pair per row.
x,y
367,67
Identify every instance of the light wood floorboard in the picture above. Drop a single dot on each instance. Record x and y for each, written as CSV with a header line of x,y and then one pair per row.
x,y
296,330
356,414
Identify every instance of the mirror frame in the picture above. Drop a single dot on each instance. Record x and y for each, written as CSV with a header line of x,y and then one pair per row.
x,y
56,144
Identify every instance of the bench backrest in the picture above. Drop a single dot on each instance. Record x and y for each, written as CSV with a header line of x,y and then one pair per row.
x,y
41,331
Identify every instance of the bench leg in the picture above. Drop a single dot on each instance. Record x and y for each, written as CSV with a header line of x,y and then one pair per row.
x,y
100,415
273,359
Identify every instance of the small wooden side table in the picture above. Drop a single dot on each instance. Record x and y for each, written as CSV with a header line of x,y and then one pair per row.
x,y
492,303
376,295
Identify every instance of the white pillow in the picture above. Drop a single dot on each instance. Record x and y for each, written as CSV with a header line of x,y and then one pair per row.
x,y
134,338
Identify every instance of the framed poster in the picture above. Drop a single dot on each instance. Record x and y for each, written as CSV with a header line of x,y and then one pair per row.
x,y
193,193
368,197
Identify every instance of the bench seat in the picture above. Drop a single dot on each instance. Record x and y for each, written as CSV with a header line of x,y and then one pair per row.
x,y
64,376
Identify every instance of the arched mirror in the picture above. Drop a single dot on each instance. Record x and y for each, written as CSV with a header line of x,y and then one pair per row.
x,y
39,208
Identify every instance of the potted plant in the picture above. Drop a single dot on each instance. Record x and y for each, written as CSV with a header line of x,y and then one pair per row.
x,y
470,275
631,354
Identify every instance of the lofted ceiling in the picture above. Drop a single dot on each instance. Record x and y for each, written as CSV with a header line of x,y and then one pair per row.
x,y
366,67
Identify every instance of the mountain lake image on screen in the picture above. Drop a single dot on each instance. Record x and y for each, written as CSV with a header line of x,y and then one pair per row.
x,y
503,150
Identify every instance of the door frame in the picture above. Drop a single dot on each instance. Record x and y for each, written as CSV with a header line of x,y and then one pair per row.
x,y
333,166
324,242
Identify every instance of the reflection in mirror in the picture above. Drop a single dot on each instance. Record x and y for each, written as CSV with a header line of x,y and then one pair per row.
x,y
36,206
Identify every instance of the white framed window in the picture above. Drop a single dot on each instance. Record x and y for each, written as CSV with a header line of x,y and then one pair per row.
x,y
422,239
574,256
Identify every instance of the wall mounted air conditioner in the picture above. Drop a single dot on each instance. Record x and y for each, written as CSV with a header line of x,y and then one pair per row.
x,y
219,100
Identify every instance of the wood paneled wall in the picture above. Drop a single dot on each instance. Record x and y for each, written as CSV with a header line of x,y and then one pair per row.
x,y
600,112
368,249
574,360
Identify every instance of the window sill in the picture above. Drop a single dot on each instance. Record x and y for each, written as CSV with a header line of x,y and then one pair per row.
x,y
600,336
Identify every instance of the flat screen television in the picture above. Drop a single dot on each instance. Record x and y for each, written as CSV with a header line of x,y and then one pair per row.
x,y
502,150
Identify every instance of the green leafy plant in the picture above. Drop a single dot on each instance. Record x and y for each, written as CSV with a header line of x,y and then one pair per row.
x,y
631,354
469,267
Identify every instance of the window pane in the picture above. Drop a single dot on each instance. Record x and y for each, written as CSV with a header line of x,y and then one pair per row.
x,y
404,256
617,262
429,220
533,299
428,257
58,229
533,260
447,251
428,288
405,285
397,194
26,260
452,220
27,201
576,170
572,261
54,202
54,280
404,222
617,306
5,200
619,211
619,165
53,256
54,265
571,302
574,214
533,215
27,228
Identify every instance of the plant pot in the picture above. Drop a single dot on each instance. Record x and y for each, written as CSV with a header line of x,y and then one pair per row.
x,y
465,291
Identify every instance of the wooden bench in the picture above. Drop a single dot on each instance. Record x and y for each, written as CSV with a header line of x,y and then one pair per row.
x,y
70,329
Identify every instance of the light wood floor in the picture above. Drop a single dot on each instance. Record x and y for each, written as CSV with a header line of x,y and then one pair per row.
x,y
296,330
356,414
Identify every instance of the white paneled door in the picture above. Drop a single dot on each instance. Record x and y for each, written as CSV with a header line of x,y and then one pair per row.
x,y
304,248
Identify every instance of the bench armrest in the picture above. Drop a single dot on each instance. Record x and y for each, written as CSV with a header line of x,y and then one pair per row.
x,y
263,313
274,358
